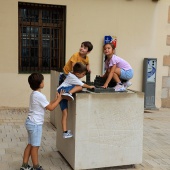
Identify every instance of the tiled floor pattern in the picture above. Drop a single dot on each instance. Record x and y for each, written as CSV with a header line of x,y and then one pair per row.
x,y
13,139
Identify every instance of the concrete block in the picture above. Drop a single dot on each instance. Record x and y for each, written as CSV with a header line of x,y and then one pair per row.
x,y
165,93
166,82
54,84
107,129
166,60
168,40
165,103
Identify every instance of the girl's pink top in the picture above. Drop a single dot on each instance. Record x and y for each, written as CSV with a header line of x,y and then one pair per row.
x,y
120,63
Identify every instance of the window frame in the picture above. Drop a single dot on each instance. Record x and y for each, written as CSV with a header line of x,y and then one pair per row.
x,y
56,57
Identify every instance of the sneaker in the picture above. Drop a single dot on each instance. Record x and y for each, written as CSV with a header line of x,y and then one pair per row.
x,y
127,84
119,87
67,96
69,131
27,168
39,168
68,134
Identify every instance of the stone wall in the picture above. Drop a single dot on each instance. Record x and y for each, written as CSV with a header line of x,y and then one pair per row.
x,y
166,84
165,99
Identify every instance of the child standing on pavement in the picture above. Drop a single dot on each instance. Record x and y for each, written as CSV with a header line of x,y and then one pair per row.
x,y
81,56
38,105
71,84
116,68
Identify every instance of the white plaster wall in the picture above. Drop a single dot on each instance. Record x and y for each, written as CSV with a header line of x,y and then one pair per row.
x,y
140,25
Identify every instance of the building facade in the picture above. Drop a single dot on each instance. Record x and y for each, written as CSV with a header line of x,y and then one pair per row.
x,y
142,28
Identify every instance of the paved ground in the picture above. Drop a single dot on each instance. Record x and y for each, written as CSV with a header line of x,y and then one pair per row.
x,y
13,139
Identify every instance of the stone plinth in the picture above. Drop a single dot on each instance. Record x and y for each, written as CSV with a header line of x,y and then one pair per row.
x,y
107,129
54,83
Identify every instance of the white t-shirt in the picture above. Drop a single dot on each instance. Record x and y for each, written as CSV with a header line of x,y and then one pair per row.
x,y
70,80
38,102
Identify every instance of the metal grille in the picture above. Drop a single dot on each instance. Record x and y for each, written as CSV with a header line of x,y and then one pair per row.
x,y
41,37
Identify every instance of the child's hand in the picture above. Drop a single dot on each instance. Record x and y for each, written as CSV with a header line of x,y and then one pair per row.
x,y
105,86
89,71
59,95
92,87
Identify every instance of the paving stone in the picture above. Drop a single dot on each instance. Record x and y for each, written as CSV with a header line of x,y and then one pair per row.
x,y
13,139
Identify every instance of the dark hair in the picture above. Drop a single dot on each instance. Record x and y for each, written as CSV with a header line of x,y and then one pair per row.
x,y
111,44
79,68
113,47
34,80
88,44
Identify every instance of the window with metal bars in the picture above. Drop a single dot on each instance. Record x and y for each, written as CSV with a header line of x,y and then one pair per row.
x,y
41,37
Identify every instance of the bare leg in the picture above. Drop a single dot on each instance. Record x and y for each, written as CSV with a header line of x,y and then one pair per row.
x,y
75,89
116,78
34,155
64,119
116,75
27,153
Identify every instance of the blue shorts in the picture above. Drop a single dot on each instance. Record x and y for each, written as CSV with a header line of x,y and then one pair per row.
x,y
64,102
34,132
126,74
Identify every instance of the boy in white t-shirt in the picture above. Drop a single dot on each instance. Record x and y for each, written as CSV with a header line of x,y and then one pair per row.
x,y
38,105
71,84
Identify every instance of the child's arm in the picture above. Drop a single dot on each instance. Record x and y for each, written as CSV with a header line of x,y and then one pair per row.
x,y
72,64
87,86
55,103
110,76
105,74
88,68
